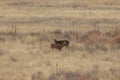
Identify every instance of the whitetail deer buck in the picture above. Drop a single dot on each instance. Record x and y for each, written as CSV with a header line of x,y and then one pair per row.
x,y
62,42
59,44
56,46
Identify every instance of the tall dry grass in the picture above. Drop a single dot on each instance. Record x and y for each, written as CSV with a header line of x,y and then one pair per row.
x,y
29,56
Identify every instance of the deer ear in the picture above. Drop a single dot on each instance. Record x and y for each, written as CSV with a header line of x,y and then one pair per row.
x,y
55,40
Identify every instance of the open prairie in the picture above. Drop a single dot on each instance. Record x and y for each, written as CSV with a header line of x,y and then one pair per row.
x,y
28,27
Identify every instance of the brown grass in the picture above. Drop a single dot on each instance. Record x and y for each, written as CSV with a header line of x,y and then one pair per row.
x,y
29,56
28,27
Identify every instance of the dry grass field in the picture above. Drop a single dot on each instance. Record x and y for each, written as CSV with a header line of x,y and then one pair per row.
x,y
28,27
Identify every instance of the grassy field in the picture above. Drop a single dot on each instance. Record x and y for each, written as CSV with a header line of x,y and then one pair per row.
x,y
28,27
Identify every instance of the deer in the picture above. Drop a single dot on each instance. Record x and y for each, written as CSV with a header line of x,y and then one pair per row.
x,y
62,42
56,46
